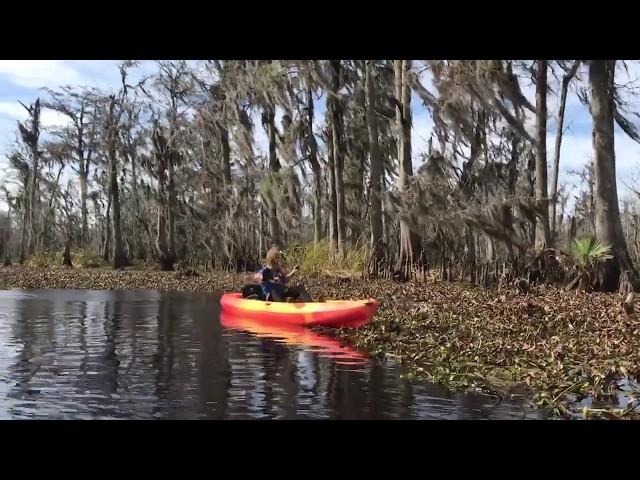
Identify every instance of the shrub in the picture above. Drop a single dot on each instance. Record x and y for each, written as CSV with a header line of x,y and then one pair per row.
x,y
86,259
45,259
317,259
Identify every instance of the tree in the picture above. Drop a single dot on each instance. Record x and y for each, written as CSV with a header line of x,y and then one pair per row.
x,y
269,123
119,257
79,108
607,214
408,239
168,170
162,154
376,165
174,84
566,79
30,135
312,151
337,146
542,226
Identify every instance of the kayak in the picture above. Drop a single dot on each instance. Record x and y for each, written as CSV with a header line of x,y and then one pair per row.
x,y
333,313
296,335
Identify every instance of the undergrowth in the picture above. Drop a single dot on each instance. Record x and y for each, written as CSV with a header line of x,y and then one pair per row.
x,y
51,259
316,259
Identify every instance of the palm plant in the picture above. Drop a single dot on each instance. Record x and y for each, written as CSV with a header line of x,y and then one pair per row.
x,y
585,255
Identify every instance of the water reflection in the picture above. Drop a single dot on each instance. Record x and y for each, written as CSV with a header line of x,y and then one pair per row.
x,y
313,342
146,355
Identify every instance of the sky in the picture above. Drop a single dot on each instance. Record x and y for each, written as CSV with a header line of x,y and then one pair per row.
x,y
23,80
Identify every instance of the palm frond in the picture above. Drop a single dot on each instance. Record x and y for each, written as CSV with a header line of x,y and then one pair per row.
x,y
588,251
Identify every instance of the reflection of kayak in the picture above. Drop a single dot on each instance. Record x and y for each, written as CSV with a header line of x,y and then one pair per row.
x,y
294,335
334,313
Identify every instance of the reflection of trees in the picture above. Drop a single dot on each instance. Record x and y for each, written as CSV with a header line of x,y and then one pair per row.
x,y
33,329
110,362
347,392
377,391
270,350
289,384
308,380
166,355
406,401
23,331
213,369
82,319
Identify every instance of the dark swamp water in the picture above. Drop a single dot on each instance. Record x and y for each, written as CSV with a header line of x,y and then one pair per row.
x,y
76,354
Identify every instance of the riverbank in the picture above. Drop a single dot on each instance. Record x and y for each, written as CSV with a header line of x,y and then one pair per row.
x,y
553,347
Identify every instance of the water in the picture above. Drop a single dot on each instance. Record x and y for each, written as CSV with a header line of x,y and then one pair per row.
x,y
75,354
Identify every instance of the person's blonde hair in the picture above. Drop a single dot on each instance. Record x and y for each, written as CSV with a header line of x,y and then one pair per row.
x,y
273,254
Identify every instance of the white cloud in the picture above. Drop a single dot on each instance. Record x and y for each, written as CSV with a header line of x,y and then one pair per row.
x,y
39,73
13,110
55,73
48,118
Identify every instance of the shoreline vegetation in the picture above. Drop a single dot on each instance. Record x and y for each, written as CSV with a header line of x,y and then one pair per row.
x,y
572,353
208,164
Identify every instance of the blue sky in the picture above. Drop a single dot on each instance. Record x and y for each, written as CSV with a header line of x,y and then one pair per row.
x,y
21,80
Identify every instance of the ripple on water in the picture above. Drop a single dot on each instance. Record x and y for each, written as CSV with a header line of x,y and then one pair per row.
x,y
148,355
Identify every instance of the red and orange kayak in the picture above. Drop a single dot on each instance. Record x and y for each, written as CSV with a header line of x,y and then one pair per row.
x,y
333,313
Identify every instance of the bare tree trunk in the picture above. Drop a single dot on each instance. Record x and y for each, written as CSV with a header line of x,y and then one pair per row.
x,y
261,248
162,153
491,250
385,222
608,223
23,227
226,154
317,171
338,157
7,253
138,227
408,239
592,194
375,161
106,247
531,180
171,213
119,256
30,133
542,226
274,167
83,208
357,198
470,244
512,176
84,163
32,201
563,205
317,205
66,256
44,235
556,156
166,261
333,210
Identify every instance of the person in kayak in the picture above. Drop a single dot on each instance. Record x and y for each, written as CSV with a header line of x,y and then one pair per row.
x,y
273,280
